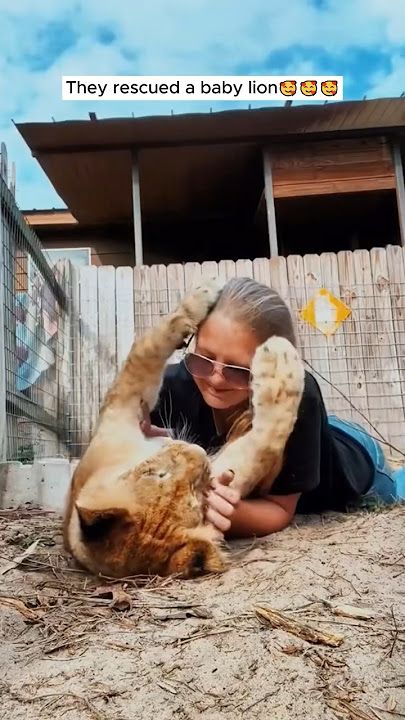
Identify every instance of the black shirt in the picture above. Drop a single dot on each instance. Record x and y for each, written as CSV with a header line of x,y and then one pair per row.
x,y
331,470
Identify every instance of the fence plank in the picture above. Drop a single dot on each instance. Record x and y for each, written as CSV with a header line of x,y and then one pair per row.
x,y
353,345
338,374
142,300
124,293
318,342
226,270
175,292
175,284
244,268
298,299
396,273
261,271
209,269
158,289
192,275
389,388
76,419
90,397
371,353
279,280
107,331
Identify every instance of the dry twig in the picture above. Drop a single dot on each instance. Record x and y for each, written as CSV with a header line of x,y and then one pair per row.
x,y
279,620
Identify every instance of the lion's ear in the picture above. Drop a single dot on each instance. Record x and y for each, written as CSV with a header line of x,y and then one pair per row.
x,y
96,524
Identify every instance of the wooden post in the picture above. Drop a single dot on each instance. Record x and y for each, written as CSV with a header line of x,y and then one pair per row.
x,y
136,204
399,179
3,420
270,207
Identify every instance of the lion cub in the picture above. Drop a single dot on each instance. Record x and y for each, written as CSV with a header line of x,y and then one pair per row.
x,y
136,504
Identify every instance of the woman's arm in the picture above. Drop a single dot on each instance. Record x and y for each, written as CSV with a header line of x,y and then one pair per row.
x,y
246,518
262,517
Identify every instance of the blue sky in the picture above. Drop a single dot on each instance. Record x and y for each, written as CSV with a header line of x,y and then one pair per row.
x,y
41,40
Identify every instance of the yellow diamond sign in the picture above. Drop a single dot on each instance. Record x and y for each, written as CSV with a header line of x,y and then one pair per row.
x,y
325,312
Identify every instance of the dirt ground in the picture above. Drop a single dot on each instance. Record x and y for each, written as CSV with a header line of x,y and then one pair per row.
x,y
74,646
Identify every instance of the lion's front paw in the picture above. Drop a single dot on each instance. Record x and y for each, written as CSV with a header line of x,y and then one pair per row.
x,y
199,301
277,367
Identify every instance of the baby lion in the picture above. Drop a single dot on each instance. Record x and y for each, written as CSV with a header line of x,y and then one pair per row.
x,y
136,504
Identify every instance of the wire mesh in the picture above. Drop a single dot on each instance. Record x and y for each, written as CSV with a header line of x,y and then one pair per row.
x,y
34,309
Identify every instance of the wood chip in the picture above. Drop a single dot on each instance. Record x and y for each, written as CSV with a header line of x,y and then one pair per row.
x,y
120,600
165,685
178,614
18,560
277,619
391,704
18,605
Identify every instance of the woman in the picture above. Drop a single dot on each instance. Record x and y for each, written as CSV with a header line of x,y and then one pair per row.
x,y
329,464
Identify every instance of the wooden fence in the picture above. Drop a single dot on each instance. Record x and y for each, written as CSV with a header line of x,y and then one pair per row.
x,y
360,368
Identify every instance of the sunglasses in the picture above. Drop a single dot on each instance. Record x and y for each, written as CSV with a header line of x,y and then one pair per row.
x,y
202,367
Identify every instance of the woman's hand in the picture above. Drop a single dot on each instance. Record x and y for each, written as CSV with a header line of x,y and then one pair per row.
x,y
222,502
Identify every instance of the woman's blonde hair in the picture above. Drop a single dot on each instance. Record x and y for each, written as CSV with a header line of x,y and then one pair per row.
x,y
260,308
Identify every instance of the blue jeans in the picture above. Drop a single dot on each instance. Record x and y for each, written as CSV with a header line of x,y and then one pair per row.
x,y
388,485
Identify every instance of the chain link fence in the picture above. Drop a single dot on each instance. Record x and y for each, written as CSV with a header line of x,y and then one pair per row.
x,y
35,341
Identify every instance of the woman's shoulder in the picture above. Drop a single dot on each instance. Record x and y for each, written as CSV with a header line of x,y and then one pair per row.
x,y
312,396
311,387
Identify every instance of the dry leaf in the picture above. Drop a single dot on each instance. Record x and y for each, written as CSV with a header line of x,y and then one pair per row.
x,y
354,612
292,650
120,600
391,704
18,605
18,560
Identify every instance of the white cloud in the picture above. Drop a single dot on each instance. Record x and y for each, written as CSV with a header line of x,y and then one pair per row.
x,y
170,37
391,85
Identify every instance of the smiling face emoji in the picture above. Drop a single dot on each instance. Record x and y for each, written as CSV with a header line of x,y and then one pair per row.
x,y
308,87
288,87
329,87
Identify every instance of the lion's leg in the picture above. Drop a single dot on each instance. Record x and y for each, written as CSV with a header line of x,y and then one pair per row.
x,y
278,384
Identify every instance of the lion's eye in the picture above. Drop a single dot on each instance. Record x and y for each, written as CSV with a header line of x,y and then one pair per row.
x,y
164,475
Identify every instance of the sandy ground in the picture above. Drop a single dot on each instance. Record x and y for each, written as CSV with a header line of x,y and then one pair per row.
x,y
184,650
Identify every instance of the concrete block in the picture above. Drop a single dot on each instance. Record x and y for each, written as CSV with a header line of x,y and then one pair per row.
x,y
43,484
17,486
52,477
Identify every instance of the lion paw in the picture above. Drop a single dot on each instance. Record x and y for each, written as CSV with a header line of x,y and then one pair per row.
x,y
198,302
277,370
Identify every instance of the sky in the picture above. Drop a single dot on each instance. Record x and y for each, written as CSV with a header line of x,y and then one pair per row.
x,y
42,40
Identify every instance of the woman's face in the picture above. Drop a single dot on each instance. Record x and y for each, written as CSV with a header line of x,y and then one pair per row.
x,y
225,341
